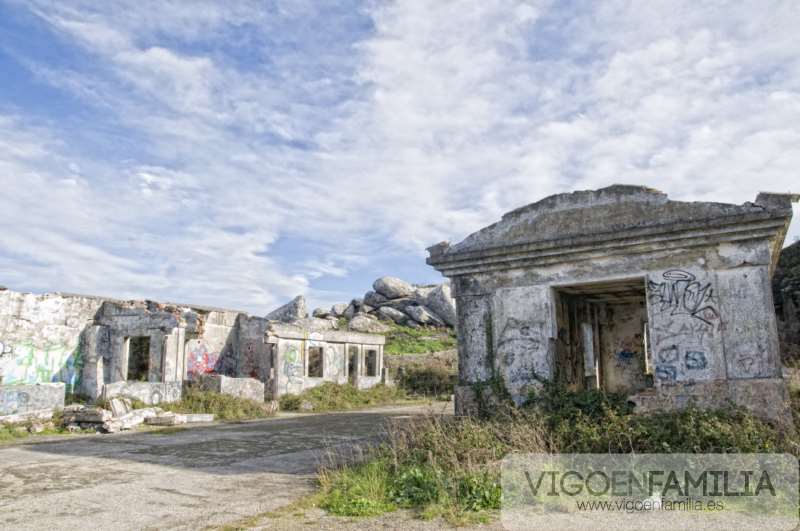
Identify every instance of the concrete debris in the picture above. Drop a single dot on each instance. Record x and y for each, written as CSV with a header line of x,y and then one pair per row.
x,y
79,417
87,414
167,419
120,406
175,419
138,416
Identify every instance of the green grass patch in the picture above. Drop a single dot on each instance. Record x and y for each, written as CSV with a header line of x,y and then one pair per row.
x,y
334,397
223,407
13,432
21,430
449,467
424,340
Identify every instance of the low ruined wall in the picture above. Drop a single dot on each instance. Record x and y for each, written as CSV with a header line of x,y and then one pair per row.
x,y
249,388
767,398
148,392
40,337
25,400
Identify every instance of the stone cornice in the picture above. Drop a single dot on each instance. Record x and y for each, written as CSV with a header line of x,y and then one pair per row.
x,y
766,224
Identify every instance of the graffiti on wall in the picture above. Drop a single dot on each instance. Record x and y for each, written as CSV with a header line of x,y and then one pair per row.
x,y
12,401
334,364
681,294
292,366
686,321
523,351
27,363
201,360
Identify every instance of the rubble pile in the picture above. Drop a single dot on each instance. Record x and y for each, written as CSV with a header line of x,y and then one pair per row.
x,y
121,416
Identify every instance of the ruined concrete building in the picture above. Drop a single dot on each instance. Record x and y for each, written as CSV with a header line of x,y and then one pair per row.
x,y
54,344
624,290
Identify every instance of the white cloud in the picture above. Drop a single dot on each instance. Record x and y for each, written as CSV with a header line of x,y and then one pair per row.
x,y
253,123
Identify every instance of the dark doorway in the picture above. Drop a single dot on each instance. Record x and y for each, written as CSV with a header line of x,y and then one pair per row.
x,y
371,362
602,336
138,358
315,363
352,363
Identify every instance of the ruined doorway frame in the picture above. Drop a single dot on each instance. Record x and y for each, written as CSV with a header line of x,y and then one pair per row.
x,y
581,317
140,345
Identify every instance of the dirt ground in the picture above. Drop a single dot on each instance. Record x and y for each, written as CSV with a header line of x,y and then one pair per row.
x,y
195,478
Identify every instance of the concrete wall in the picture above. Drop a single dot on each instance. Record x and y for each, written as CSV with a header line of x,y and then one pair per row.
x,y
292,356
709,311
622,354
213,350
40,337
249,388
22,400
151,393
254,359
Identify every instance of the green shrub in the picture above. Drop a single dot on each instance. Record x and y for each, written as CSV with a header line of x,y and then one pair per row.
x,y
361,490
290,402
334,397
479,492
450,466
427,381
416,486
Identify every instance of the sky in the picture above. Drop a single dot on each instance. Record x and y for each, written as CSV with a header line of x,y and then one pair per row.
x,y
237,154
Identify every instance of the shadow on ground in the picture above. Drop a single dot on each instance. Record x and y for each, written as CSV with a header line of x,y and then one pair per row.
x,y
283,445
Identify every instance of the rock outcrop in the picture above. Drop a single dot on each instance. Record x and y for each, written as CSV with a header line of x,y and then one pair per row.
x,y
786,293
393,288
291,311
392,300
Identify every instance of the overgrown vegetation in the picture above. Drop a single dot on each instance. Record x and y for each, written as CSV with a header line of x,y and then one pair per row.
x,y
333,397
21,430
223,407
406,340
427,381
450,466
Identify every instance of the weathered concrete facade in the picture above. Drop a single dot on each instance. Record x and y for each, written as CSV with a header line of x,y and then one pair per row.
x,y
147,350
305,358
625,290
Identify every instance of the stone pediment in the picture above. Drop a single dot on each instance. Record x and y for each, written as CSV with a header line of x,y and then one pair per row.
x,y
606,215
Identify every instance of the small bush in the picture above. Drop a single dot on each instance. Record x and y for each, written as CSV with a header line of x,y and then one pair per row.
x,y
290,402
334,397
223,407
427,381
416,486
362,490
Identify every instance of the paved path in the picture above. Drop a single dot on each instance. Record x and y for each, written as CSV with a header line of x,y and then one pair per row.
x,y
187,479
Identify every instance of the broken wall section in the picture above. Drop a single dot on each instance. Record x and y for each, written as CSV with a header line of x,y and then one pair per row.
x,y
40,338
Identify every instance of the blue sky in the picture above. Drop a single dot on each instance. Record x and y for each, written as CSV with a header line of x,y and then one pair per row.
x,y
239,153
